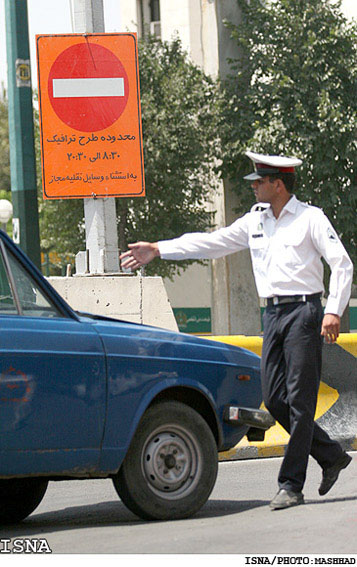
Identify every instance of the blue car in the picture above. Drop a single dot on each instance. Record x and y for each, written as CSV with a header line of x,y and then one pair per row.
x,y
85,396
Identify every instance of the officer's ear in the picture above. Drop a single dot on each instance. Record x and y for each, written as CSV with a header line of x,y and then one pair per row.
x,y
280,186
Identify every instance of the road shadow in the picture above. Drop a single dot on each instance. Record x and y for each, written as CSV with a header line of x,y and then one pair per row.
x,y
111,513
114,513
330,500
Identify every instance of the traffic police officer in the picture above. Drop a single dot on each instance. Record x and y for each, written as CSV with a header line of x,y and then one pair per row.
x,y
287,239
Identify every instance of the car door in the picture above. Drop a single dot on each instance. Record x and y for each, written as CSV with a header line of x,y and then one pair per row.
x,y
52,377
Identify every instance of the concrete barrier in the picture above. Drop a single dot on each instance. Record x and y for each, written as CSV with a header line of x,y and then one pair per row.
x,y
121,296
336,409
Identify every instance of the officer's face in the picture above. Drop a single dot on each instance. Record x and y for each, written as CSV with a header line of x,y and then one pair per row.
x,y
264,190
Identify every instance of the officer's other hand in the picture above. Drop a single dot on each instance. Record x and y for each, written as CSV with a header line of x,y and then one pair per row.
x,y
330,327
139,254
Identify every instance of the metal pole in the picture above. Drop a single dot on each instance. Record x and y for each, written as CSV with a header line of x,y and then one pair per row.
x,y
21,136
100,214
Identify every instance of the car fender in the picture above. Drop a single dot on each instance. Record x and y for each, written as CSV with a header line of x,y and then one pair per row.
x,y
112,457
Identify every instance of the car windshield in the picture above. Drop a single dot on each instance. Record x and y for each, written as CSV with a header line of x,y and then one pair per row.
x,y
7,302
30,300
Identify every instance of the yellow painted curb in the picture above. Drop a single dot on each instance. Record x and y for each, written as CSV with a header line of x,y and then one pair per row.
x,y
348,341
277,435
277,438
253,344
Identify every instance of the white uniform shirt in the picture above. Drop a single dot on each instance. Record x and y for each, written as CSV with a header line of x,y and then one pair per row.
x,y
286,252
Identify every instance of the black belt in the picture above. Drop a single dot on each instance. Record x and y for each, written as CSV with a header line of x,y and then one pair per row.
x,y
281,299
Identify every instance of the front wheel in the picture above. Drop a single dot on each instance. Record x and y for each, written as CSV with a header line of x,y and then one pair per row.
x,y
19,497
171,466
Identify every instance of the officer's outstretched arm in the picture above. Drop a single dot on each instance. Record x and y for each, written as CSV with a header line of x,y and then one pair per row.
x,y
139,254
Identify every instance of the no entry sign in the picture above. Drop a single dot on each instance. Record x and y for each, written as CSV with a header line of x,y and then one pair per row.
x,y
88,87
90,121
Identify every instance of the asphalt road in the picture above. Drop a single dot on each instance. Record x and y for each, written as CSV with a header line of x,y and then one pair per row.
x,y
87,517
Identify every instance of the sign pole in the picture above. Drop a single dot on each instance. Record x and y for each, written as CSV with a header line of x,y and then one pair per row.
x,y
100,214
22,152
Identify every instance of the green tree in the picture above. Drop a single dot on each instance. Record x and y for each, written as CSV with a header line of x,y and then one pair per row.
x,y
179,113
5,182
293,91
61,221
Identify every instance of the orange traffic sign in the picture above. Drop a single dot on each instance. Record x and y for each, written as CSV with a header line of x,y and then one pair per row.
x,y
90,119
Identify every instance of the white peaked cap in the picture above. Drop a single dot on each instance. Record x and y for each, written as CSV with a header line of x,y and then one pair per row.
x,y
265,165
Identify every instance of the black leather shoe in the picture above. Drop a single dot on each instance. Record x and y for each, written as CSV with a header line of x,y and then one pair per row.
x,y
285,499
330,475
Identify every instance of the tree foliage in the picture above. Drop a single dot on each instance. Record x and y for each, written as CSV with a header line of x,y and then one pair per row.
x,y
293,91
179,112
5,183
5,179
61,221
179,116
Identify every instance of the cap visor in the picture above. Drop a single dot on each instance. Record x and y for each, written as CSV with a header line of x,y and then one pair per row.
x,y
253,176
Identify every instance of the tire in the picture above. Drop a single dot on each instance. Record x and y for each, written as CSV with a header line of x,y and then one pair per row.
x,y
171,466
19,497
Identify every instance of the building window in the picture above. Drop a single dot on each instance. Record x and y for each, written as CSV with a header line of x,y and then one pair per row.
x,y
155,24
154,10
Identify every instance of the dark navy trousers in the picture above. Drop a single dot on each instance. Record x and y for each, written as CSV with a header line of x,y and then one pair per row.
x,y
291,368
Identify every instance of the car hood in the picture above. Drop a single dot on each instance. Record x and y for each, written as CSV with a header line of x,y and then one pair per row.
x,y
132,338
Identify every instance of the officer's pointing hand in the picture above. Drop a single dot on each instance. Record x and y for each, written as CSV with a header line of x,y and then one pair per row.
x,y
139,254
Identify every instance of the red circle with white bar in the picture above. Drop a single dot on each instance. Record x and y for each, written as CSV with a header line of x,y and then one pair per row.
x,y
88,87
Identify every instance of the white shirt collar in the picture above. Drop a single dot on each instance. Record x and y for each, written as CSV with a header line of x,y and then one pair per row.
x,y
290,207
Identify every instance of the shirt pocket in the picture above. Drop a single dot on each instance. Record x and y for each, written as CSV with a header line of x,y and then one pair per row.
x,y
258,244
292,249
